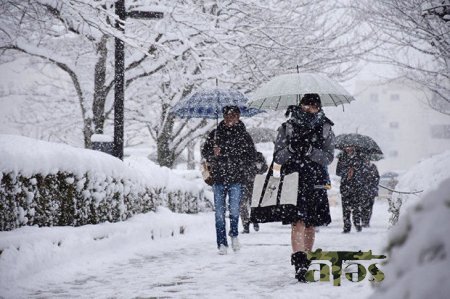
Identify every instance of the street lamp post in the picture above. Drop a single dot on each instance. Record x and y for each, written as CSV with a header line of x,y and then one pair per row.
x,y
119,68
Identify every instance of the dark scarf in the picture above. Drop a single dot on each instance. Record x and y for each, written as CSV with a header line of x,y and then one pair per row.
x,y
309,120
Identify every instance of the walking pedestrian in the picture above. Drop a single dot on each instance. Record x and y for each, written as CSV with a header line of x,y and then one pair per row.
x,y
305,144
354,169
228,150
372,178
259,167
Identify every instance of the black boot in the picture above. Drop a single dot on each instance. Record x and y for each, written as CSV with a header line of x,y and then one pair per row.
x,y
246,228
301,264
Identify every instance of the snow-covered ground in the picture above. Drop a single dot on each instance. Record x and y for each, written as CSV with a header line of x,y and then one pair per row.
x,y
163,254
147,256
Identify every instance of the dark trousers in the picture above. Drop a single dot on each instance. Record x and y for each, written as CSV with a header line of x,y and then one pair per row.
x,y
246,198
351,206
367,208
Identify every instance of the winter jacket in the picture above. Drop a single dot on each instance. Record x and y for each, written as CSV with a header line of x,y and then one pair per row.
x,y
305,144
237,153
297,132
373,179
365,179
258,167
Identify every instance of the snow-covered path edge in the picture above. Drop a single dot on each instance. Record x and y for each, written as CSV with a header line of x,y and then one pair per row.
x,y
28,251
121,260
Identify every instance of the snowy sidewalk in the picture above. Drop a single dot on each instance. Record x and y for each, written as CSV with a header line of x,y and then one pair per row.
x,y
187,266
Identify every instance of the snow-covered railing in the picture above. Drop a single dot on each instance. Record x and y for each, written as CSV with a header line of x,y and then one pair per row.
x,y
50,184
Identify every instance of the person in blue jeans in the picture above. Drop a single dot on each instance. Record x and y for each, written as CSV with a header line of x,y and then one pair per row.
x,y
234,197
229,151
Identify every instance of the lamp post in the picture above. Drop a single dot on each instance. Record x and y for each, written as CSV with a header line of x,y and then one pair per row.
x,y
119,69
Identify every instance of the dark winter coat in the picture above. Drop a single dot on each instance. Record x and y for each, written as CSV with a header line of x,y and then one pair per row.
x,y
373,179
365,179
302,131
305,145
237,153
258,167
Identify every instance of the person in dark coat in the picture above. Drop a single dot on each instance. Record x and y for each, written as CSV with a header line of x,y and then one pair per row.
x,y
357,186
259,167
305,144
229,150
371,191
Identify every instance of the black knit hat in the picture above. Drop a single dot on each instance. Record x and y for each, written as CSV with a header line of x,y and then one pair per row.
x,y
231,109
311,99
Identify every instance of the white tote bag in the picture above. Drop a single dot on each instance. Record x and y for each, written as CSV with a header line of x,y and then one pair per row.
x,y
269,203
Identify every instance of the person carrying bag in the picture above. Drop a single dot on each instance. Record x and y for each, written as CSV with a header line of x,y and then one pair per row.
x,y
228,150
258,167
274,198
303,149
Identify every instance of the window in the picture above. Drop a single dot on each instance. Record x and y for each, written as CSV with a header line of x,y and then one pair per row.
x,y
395,97
440,131
393,125
374,97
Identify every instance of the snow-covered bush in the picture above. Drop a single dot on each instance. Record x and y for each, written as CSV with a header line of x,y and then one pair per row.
x,y
426,175
419,250
48,184
418,247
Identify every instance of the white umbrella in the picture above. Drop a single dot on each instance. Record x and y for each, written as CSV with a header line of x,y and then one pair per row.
x,y
285,90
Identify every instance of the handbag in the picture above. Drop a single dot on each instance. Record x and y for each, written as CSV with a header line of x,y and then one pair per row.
x,y
274,199
206,173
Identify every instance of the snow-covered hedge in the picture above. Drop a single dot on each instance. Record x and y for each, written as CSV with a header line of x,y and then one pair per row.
x,y
48,184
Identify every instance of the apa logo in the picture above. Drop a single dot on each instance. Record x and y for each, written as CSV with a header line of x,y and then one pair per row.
x,y
337,258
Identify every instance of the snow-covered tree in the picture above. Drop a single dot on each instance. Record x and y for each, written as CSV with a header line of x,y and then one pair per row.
x,y
416,39
238,44
63,35
241,44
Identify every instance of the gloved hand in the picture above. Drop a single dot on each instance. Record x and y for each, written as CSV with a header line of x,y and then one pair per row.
x,y
303,150
299,142
303,129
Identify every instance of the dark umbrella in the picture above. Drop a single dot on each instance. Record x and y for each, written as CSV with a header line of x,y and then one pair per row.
x,y
362,142
209,104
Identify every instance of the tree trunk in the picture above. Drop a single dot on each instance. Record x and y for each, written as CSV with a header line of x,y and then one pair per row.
x,y
87,134
166,155
98,105
190,155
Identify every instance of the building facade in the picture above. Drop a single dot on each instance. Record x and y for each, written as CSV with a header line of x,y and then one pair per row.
x,y
408,128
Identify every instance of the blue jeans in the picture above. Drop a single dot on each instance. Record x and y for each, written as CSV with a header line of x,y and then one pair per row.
x,y
233,191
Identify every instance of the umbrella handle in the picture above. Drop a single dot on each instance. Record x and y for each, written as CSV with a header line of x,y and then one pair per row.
x,y
217,126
